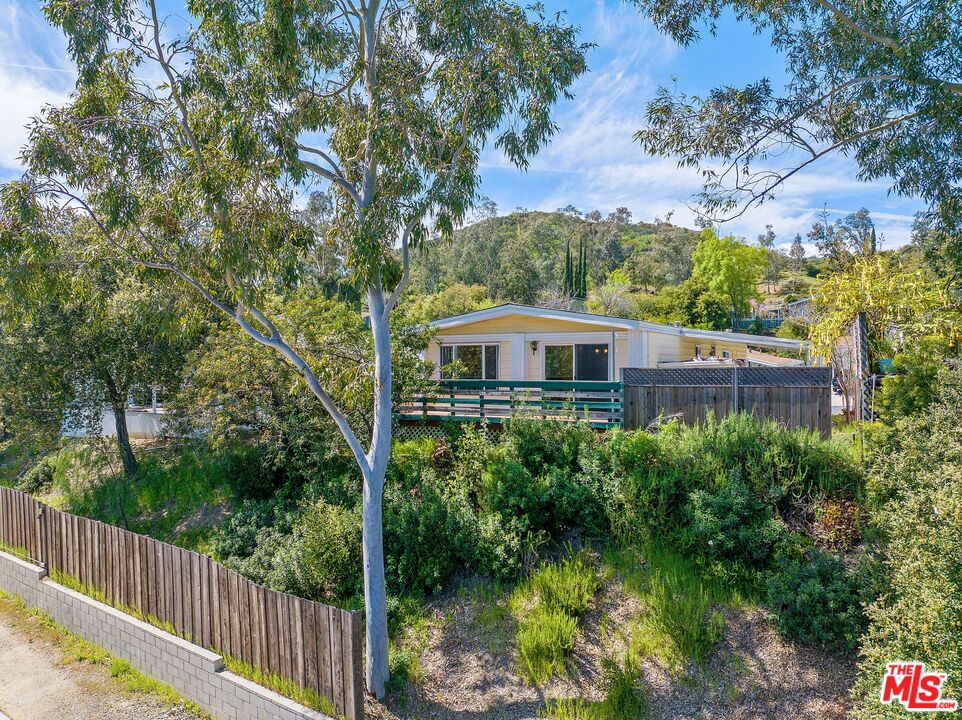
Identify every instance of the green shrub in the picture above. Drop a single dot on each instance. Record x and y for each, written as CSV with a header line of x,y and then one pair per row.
x,y
733,533
914,385
427,536
541,444
509,489
818,602
498,549
546,637
37,479
915,500
411,461
654,475
321,560
574,501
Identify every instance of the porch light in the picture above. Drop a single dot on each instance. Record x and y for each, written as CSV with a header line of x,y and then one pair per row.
x,y
534,347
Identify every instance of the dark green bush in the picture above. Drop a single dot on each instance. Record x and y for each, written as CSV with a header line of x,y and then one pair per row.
x,y
321,559
733,532
38,478
499,548
574,501
427,536
541,445
818,602
237,537
509,489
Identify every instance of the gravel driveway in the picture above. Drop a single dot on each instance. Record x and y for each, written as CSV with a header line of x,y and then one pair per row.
x,y
35,684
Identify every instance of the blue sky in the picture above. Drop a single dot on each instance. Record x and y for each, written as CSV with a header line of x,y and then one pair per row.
x,y
592,163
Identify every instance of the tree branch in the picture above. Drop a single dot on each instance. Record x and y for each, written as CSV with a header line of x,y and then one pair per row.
x,y
392,301
851,24
781,178
334,178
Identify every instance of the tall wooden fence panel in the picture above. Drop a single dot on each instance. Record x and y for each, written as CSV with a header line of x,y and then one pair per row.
x,y
315,645
797,397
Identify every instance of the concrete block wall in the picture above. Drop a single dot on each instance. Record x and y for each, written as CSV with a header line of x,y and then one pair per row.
x,y
195,673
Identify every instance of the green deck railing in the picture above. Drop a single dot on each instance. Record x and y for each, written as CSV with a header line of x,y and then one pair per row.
x,y
495,401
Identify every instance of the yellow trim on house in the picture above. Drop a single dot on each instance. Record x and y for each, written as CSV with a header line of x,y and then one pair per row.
x,y
522,324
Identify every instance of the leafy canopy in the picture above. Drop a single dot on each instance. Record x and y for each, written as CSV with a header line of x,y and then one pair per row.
x,y
900,302
878,82
729,267
188,146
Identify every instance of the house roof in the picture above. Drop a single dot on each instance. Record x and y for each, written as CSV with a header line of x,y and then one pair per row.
x,y
768,360
508,309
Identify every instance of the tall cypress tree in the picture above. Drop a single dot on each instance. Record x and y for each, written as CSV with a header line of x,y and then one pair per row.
x,y
569,281
582,291
576,281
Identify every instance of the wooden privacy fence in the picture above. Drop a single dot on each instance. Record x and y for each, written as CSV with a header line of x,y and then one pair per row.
x,y
316,646
797,397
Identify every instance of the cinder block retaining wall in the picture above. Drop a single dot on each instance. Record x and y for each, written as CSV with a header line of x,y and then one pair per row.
x,y
194,672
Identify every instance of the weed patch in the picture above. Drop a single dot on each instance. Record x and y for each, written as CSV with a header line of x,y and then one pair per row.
x,y
282,685
409,629
680,622
624,698
547,607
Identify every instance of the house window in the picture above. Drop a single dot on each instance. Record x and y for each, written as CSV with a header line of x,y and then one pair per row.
x,y
576,362
726,353
476,362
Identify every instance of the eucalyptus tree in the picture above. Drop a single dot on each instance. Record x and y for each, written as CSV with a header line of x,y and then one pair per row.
x,y
879,82
187,147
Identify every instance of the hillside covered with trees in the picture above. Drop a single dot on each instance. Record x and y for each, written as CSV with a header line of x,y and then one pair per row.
x,y
614,264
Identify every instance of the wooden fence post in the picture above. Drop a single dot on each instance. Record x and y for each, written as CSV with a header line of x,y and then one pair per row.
x,y
42,536
735,390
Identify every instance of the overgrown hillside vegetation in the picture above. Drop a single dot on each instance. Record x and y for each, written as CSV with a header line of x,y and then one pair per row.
x,y
554,519
595,572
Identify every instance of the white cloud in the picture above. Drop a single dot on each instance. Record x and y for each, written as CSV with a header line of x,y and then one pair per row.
x,y
33,73
594,162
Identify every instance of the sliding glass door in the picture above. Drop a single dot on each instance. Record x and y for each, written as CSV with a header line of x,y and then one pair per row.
x,y
578,361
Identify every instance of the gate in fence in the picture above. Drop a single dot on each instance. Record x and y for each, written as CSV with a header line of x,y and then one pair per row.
x,y
797,397
314,645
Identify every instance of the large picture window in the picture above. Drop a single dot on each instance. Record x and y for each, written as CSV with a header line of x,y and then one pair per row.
x,y
474,362
576,362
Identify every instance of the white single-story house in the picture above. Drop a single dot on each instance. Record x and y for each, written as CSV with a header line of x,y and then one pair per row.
x,y
521,342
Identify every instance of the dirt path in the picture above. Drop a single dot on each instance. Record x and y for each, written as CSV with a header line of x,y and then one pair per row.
x,y
36,684
467,671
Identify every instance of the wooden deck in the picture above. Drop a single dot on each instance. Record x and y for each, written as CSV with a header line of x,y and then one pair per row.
x,y
496,401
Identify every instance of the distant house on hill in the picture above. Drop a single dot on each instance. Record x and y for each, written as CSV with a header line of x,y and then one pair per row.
x,y
521,342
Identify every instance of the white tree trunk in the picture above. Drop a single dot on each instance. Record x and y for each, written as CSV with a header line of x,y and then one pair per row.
x,y
375,592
